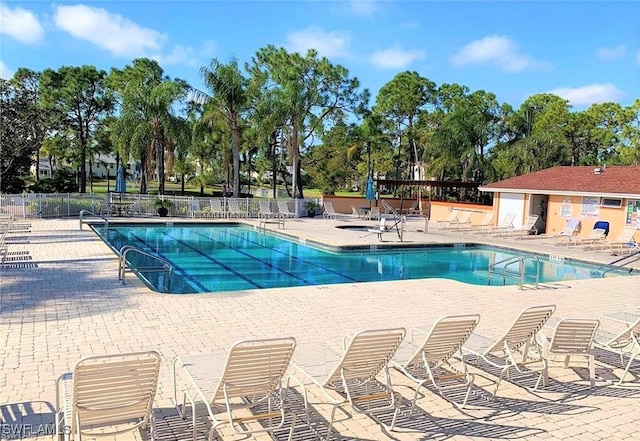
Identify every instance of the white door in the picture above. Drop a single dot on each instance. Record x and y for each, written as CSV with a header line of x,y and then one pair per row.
x,y
511,203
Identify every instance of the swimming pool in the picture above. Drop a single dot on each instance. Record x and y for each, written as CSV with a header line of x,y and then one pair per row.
x,y
229,257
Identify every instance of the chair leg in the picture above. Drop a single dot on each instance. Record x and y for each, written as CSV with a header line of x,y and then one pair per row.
x,y
626,370
592,370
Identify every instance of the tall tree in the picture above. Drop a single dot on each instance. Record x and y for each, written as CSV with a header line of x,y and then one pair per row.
x,y
148,115
309,90
81,99
229,92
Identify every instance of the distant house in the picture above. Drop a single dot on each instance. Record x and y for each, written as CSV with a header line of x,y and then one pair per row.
x,y
610,193
101,166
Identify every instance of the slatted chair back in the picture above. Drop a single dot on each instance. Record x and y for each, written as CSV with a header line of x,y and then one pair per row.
x,y
524,329
254,368
573,337
367,353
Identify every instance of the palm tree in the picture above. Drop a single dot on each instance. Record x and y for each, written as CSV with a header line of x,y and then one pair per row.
x,y
147,115
229,95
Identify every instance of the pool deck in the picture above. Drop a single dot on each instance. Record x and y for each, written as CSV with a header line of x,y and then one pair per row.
x,y
60,299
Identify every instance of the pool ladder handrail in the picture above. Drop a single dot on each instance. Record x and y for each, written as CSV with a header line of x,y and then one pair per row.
x,y
106,221
521,273
122,264
612,266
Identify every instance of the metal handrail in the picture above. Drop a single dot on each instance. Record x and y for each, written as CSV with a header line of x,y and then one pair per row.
x,y
106,221
521,269
611,266
122,264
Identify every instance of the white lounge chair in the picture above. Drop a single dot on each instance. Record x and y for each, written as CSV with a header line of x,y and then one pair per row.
x,y
265,210
107,395
485,223
572,338
195,210
433,359
217,209
250,375
626,243
505,224
571,228
453,214
517,347
528,228
462,221
329,212
597,236
625,342
283,208
350,378
234,208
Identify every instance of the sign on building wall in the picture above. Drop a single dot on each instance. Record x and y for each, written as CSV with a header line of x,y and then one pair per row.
x,y
633,213
565,209
590,207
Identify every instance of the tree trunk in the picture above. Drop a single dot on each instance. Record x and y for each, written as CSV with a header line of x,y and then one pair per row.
x,y
295,156
235,150
83,163
274,164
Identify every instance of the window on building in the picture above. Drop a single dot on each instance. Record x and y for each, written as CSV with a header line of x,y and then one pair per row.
x,y
611,203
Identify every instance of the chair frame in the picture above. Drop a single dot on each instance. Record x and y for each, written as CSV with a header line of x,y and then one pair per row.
x,y
517,347
441,346
572,337
102,392
252,368
366,354
624,343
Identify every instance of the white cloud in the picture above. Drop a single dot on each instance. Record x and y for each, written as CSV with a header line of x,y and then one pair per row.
x,y
364,8
396,58
327,44
112,32
5,72
590,94
21,24
611,53
499,51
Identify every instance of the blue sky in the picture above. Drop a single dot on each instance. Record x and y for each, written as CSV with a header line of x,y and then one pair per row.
x,y
586,52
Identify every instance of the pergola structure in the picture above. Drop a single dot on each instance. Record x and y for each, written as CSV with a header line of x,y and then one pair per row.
x,y
425,183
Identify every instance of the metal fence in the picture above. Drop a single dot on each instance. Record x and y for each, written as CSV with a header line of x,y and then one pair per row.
x,y
39,205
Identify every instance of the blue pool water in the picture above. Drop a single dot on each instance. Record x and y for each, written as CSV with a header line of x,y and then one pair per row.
x,y
217,258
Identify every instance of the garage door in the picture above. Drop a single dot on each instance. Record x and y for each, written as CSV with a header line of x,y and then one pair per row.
x,y
512,203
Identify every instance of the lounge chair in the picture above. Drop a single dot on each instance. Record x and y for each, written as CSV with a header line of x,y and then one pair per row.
x,y
462,221
433,359
283,208
374,213
195,210
452,218
528,228
217,209
485,223
350,378
329,212
249,376
357,212
517,347
234,209
570,230
625,342
381,229
627,242
572,338
598,235
107,395
505,224
265,210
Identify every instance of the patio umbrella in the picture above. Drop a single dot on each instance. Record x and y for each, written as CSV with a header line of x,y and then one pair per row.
x,y
121,186
370,193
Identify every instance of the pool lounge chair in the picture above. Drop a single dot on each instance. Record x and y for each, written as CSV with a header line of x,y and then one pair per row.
x,y
528,228
447,222
434,359
217,207
350,378
516,348
462,221
485,223
505,224
107,395
195,210
625,342
234,209
572,338
329,212
265,211
247,378
283,208
598,236
571,228
626,243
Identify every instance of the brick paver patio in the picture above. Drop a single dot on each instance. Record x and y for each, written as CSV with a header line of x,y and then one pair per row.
x,y
60,299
